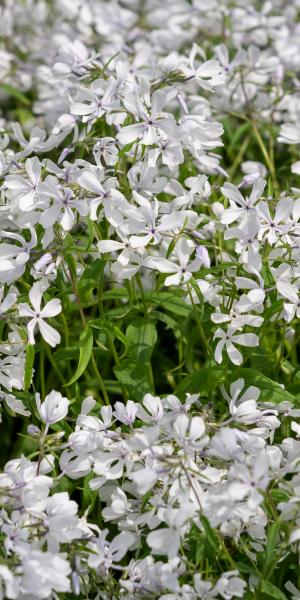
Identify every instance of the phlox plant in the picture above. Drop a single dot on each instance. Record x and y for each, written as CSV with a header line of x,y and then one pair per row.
x,y
149,299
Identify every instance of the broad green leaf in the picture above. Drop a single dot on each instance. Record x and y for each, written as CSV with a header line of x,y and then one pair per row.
x,y
271,391
205,381
97,323
135,377
141,338
135,372
271,591
85,352
172,302
262,361
68,353
91,274
29,360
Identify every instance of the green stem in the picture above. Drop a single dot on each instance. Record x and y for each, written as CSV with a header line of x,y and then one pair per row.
x,y
55,367
269,161
144,301
84,323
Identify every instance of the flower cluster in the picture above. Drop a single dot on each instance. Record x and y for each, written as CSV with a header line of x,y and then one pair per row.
x,y
149,299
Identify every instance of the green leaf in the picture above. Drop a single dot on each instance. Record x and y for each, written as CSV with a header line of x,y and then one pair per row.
x,y
271,591
172,303
270,558
88,497
244,568
210,534
29,360
240,131
205,380
68,353
134,372
91,274
135,377
141,338
120,336
11,91
125,149
71,262
85,353
271,391
168,321
115,294
262,361
97,323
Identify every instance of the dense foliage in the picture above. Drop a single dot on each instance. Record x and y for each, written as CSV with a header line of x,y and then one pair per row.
x,y
149,299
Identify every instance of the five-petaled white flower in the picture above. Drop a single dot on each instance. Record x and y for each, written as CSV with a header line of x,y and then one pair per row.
x,y
38,314
228,339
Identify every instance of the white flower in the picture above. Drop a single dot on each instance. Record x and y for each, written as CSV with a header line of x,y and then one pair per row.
x,y
154,409
293,590
12,372
106,192
230,585
272,227
144,479
207,74
95,101
54,408
242,406
26,191
13,258
291,293
189,431
9,300
165,541
228,339
153,122
8,582
125,414
35,494
44,572
183,271
239,315
202,254
62,522
106,553
289,133
63,207
248,481
16,405
240,207
37,315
